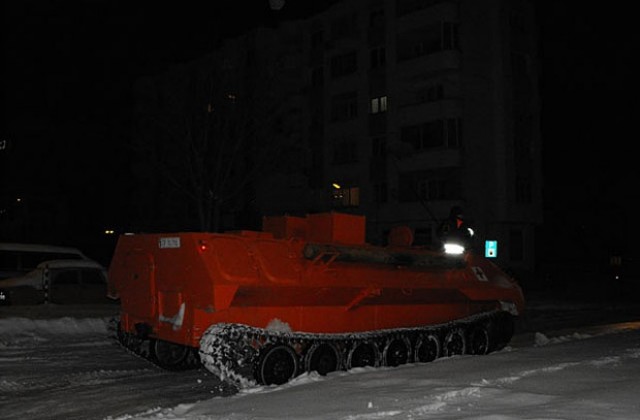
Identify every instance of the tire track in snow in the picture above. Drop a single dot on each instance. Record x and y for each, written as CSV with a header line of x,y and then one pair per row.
x,y
456,399
80,379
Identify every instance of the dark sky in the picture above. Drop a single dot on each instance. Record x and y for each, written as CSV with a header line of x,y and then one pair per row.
x,y
68,67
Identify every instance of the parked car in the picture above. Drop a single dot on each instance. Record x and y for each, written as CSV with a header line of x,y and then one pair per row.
x,y
57,281
17,259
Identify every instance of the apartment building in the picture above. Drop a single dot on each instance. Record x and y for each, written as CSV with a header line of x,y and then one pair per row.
x,y
400,110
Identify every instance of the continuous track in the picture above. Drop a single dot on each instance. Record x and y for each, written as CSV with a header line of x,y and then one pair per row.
x,y
247,355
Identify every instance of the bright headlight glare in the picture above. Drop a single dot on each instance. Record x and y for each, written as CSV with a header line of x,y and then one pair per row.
x,y
453,249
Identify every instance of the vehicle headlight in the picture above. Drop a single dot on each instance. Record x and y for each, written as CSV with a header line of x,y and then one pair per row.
x,y
453,249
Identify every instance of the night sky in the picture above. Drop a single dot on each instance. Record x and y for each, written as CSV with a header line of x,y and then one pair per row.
x,y
68,67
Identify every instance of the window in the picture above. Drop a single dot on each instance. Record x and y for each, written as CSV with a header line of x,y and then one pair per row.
x,y
436,184
444,133
379,146
523,190
344,64
376,18
317,39
317,76
93,277
378,57
344,26
378,161
516,245
427,94
346,197
378,105
66,277
380,191
344,106
449,36
16,262
427,40
404,7
345,151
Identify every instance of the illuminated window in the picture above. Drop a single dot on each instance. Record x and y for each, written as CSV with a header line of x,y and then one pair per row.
x,y
379,104
346,197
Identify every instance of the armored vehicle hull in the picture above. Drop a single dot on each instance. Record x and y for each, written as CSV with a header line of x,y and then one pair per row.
x,y
304,294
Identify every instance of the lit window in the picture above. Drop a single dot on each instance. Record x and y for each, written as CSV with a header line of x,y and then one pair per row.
x,y
379,105
346,197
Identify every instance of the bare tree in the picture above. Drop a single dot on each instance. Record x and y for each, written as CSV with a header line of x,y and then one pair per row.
x,y
221,129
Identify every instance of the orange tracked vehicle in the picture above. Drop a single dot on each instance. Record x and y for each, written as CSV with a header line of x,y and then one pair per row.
x,y
304,294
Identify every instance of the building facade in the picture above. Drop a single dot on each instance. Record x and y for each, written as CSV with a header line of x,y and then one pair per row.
x,y
400,110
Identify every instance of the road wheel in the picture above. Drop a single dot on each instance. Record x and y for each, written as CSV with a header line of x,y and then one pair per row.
x,y
396,352
479,340
276,365
427,348
454,343
362,354
322,358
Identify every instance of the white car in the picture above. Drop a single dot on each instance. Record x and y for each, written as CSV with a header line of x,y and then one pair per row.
x,y
57,281
17,259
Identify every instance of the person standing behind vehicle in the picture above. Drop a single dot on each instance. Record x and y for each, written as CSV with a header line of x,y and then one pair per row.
x,y
455,231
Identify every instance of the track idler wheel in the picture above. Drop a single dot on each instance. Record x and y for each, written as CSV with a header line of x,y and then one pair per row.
x,y
322,358
479,341
276,365
170,356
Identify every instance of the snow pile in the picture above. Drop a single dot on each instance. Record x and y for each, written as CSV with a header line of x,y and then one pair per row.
x,y
543,340
278,326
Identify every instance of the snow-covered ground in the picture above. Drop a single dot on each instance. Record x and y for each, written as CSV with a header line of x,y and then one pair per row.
x,y
69,367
